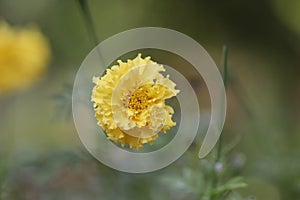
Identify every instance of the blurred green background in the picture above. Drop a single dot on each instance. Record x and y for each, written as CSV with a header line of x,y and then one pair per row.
x,y
43,158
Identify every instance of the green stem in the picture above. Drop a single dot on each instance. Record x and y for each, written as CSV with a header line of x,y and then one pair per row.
x,y
225,66
225,58
88,20
90,26
215,179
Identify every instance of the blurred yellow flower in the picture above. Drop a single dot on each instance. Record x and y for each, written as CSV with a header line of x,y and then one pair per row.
x,y
129,102
24,54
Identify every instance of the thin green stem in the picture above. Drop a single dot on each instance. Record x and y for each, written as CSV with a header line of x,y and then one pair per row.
x,y
225,76
89,24
225,65
88,20
215,177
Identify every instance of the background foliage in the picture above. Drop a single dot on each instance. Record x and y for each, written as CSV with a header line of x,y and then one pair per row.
x,y
41,156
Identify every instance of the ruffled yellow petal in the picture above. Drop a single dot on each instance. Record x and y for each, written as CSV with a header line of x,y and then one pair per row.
x,y
129,102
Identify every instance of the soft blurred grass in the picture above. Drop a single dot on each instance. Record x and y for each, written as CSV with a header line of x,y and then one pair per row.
x,y
263,37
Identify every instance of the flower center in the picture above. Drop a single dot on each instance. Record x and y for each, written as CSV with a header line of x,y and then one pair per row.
x,y
139,100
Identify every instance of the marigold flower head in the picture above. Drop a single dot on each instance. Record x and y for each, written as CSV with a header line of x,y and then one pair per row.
x,y
24,54
129,102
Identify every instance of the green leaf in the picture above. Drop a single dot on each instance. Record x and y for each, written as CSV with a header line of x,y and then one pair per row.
x,y
232,184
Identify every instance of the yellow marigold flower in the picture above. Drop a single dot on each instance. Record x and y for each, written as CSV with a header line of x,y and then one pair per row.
x,y
24,54
129,101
